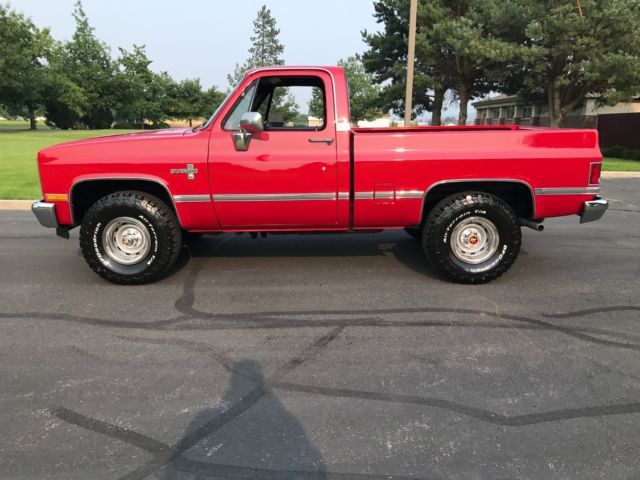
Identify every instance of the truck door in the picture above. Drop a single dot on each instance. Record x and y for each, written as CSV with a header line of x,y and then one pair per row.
x,y
287,177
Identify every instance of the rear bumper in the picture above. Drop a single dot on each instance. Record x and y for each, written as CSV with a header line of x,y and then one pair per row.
x,y
593,210
46,214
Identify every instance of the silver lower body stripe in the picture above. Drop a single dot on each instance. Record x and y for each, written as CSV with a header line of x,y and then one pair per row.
x,y
272,197
289,197
409,194
568,191
191,198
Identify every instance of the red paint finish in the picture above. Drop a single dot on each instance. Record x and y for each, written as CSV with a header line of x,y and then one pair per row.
x,y
368,178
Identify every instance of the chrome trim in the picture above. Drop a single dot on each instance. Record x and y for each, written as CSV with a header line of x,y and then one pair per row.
x,y
46,214
343,196
328,141
568,191
409,193
386,195
142,179
273,197
479,180
593,210
363,195
317,69
191,198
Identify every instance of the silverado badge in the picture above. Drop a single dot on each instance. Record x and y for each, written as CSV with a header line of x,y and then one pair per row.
x,y
190,171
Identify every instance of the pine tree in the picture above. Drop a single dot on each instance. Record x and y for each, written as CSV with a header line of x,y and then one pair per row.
x,y
266,50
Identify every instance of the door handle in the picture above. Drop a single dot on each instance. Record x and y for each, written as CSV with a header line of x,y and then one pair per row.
x,y
328,141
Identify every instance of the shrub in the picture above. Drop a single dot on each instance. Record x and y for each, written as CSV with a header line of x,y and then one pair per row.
x,y
621,152
615,151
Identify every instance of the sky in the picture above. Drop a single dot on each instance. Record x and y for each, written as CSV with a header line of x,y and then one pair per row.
x,y
206,38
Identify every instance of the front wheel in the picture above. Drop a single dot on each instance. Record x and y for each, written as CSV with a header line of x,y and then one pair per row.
x,y
130,238
471,237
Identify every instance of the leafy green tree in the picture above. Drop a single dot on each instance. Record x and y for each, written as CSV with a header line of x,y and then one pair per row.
x,y
23,62
190,102
571,53
87,63
140,89
365,96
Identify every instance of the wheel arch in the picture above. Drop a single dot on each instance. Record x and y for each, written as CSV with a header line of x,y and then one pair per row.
x,y
518,194
86,191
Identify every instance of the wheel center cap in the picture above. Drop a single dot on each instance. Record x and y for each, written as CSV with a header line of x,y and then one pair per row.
x,y
473,240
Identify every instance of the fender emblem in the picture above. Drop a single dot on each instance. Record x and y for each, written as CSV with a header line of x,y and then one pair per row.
x,y
190,171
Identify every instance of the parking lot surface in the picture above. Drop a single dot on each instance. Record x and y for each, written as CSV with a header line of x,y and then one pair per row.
x,y
325,357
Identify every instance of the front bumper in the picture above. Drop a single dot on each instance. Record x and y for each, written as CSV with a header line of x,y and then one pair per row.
x,y
593,210
46,214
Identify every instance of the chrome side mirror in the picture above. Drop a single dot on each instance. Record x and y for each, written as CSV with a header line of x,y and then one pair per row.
x,y
250,124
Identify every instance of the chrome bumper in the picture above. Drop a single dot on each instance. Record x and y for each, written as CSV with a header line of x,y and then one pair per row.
x,y
593,210
46,214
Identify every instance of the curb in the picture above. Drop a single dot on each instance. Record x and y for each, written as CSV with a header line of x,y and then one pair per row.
x,y
22,205
620,175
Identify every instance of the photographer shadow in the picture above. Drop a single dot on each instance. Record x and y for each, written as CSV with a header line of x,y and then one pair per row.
x,y
264,441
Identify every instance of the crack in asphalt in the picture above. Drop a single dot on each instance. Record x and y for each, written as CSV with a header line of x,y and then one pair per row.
x,y
478,413
249,400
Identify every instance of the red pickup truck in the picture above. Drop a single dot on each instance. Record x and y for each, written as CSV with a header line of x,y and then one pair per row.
x,y
258,165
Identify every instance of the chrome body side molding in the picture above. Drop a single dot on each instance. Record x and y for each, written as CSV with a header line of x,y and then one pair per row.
x,y
568,191
272,197
191,198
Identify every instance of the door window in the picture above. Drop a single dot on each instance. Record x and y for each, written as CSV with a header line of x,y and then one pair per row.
x,y
285,103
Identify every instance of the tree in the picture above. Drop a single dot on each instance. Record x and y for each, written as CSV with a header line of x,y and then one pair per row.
x,y
190,102
87,63
365,96
265,50
144,95
23,62
386,57
460,45
572,53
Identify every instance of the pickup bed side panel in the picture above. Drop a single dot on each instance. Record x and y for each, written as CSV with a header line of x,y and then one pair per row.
x,y
395,169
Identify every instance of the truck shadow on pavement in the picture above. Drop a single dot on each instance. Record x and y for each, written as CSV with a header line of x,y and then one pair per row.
x,y
406,250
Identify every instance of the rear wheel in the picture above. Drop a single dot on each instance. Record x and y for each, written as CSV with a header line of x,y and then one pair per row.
x,y
130,237
471,237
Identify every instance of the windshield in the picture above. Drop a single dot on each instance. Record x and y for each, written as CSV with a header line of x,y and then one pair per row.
x,y
215,114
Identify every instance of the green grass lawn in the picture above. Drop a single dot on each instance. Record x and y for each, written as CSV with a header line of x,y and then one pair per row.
x,y
18,149
620,165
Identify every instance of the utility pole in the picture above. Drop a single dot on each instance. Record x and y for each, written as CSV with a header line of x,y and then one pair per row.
x,y
408,99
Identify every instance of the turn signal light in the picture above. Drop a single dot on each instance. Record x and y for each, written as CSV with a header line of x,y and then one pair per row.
x,y
594,173
56,197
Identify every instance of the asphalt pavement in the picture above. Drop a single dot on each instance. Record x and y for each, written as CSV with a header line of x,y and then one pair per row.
x,y
325,357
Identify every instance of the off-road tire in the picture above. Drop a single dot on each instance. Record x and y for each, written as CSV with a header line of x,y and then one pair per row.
x,y
441,221
162,226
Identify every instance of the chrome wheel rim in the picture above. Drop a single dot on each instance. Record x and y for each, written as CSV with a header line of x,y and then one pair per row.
x,y
126,240
474,240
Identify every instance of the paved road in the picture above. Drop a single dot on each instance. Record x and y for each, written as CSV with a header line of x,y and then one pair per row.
x,y
325,357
